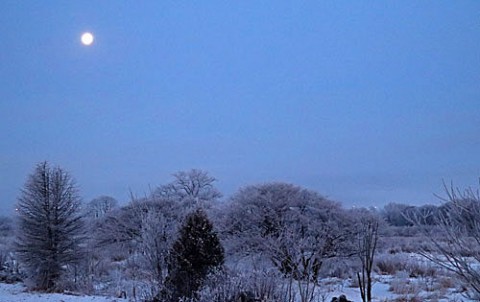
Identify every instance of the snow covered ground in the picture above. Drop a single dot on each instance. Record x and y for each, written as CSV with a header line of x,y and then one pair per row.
x,y
17,293
381,292
332,288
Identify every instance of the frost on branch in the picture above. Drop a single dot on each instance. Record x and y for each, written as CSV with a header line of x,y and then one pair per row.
x,y
50,229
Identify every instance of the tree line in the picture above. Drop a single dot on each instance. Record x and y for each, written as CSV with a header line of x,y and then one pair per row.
x,y
182,242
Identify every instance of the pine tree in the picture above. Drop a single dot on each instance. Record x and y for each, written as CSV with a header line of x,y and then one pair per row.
x,y
195,253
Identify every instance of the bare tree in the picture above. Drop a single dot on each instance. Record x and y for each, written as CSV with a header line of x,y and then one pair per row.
x,y
296,229
141,234
453,242
367,238
192,188
394,214
159,221
49,226
6,226
8,267
100,206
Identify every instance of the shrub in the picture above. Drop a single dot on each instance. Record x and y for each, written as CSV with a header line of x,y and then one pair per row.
x,y
390,264
402,285
228,285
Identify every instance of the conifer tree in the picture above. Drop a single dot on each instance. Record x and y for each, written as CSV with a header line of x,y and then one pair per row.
x,y
195,253
50,228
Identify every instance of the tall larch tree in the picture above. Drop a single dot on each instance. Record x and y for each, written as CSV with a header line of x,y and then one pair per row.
x,y
50,228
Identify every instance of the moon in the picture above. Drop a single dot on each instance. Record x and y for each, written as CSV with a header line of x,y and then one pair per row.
x,y
87,39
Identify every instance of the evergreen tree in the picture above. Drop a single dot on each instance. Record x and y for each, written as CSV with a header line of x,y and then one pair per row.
x,y
195,253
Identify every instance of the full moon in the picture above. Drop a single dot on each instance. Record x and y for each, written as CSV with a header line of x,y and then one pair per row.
x,y
87,38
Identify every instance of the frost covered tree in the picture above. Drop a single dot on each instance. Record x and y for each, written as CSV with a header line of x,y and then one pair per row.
x,y
119,229
367,230
394,214
6,226
141,235
100,206
7,261
453,241
192,188
159,221
296,229
50,229
195,254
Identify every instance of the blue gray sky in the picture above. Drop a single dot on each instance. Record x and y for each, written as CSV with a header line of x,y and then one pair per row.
x,y
367,102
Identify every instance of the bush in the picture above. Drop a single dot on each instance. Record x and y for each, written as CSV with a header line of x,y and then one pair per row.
x,y
418,268
390,264
402,285
227,285
9,278
340,269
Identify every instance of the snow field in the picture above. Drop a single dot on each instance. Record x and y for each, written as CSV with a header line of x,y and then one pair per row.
x,y
17,293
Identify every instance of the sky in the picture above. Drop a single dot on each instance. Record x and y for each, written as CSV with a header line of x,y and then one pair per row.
x,y
366,102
